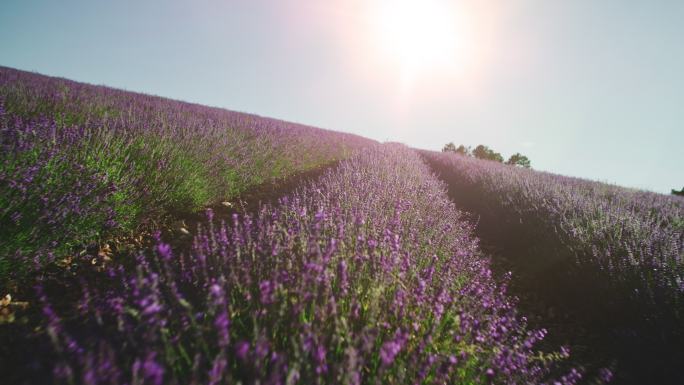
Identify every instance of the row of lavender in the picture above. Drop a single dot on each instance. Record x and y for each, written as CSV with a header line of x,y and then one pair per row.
x,y
369,275
80,162
633,239
277,146
610,258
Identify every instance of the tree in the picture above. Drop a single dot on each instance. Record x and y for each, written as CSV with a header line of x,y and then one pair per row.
x,y
463,150
519,159
484,152
680,193
449,147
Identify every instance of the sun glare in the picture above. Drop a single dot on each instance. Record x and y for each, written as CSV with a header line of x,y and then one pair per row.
x,y
419,35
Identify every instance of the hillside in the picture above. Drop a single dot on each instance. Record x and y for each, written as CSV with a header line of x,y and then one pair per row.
x,y
83,163
365,274
311,256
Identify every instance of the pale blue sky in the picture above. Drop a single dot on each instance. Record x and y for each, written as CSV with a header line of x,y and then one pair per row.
x,y
590,88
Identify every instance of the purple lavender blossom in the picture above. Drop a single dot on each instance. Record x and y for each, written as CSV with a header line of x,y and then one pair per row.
x,y
375,299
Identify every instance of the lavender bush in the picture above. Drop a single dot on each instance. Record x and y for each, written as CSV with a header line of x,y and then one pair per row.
x,y
80,163
608,257
369,275
632,238
49,196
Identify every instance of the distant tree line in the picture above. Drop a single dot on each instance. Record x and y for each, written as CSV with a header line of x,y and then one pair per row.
x,y
484,152
680,192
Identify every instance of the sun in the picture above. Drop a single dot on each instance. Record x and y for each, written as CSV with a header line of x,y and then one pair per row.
x,y
418,35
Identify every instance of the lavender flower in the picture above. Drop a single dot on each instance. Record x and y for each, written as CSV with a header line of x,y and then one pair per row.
x,y
382,300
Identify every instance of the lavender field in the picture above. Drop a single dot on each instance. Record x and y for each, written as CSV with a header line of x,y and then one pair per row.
x,y
394,266
328,287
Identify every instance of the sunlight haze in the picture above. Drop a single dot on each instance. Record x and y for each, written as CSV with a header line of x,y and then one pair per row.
x,y
583,88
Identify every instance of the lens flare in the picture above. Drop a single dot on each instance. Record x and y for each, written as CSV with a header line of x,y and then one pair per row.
x,y
419,35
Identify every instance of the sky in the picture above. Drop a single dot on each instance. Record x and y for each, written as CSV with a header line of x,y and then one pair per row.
x,y
588,88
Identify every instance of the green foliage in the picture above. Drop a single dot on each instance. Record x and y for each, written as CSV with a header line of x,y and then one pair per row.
x,y
32,220
464,150
519,159
680,192
461,149
484,152
174,179
449,147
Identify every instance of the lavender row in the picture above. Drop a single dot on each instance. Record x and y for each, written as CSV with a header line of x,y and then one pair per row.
x,y
80,163
369,275
633,239
228,139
